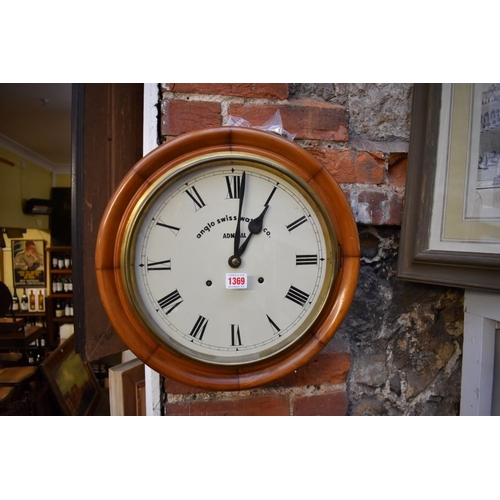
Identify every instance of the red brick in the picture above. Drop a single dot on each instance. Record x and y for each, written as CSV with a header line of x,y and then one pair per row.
x,y
352,166
397,169
375,206
255,90
326,367
334,404
179,117
173,387
268,405
395,210
309,119
376,202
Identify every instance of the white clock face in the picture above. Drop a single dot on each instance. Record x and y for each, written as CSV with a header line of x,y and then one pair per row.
x,y
211,295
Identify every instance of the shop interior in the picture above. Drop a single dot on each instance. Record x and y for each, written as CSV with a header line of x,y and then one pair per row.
x,y
40,372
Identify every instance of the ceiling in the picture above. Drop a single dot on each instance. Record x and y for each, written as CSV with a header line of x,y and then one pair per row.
x,y
37,116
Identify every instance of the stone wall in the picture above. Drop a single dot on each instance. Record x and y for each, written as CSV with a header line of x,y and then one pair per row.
x,y
399,349
405,338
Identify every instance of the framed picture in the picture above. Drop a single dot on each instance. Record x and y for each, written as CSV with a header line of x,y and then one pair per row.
x,y
28,263
450,233
72,381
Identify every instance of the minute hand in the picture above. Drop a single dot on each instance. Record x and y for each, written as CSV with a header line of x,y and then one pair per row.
x,y
255,227
240,204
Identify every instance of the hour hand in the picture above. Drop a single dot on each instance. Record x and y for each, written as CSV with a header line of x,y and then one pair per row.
x,y
254,227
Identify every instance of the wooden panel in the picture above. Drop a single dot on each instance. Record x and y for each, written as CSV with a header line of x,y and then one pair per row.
x,y
127,389
107,142
140,398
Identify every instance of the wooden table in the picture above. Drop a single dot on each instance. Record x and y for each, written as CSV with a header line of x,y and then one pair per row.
x,y
19,341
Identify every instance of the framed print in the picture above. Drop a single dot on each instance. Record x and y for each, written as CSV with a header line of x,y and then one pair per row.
x,y
72,381
28,263
450,233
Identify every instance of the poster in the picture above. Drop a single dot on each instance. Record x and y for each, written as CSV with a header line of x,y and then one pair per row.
x,y
28,263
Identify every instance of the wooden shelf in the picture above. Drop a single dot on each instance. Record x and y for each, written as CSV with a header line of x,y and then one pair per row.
x,y
29,313
63,319
53,322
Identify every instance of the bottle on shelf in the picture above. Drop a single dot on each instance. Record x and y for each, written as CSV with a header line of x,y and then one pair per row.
x,y
40,301
54,261
66,309
15,302
67,261
60,262
59,310
32,301
24,301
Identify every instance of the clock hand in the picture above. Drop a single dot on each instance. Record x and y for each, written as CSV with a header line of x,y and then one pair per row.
x,y
237,233
240,251
255,227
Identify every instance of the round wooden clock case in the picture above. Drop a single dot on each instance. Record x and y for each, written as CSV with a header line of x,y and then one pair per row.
x,y
227,258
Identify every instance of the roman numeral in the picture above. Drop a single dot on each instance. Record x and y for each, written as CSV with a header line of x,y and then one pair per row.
x,y
233,183
174,229
199,328
235,335
295,224
296,295
274,326
195,196
161,265
306,260
172,299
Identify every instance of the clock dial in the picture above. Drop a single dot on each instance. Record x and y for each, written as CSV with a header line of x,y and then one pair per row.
x,y
224,218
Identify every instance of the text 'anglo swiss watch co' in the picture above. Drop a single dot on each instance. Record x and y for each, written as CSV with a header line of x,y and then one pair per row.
x,y
227,258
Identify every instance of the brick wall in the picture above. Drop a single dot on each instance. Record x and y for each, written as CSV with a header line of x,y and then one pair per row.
x,y
369,163
317,388
365,154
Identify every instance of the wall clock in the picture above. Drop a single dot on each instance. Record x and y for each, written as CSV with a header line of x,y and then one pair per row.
x,y
227,258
